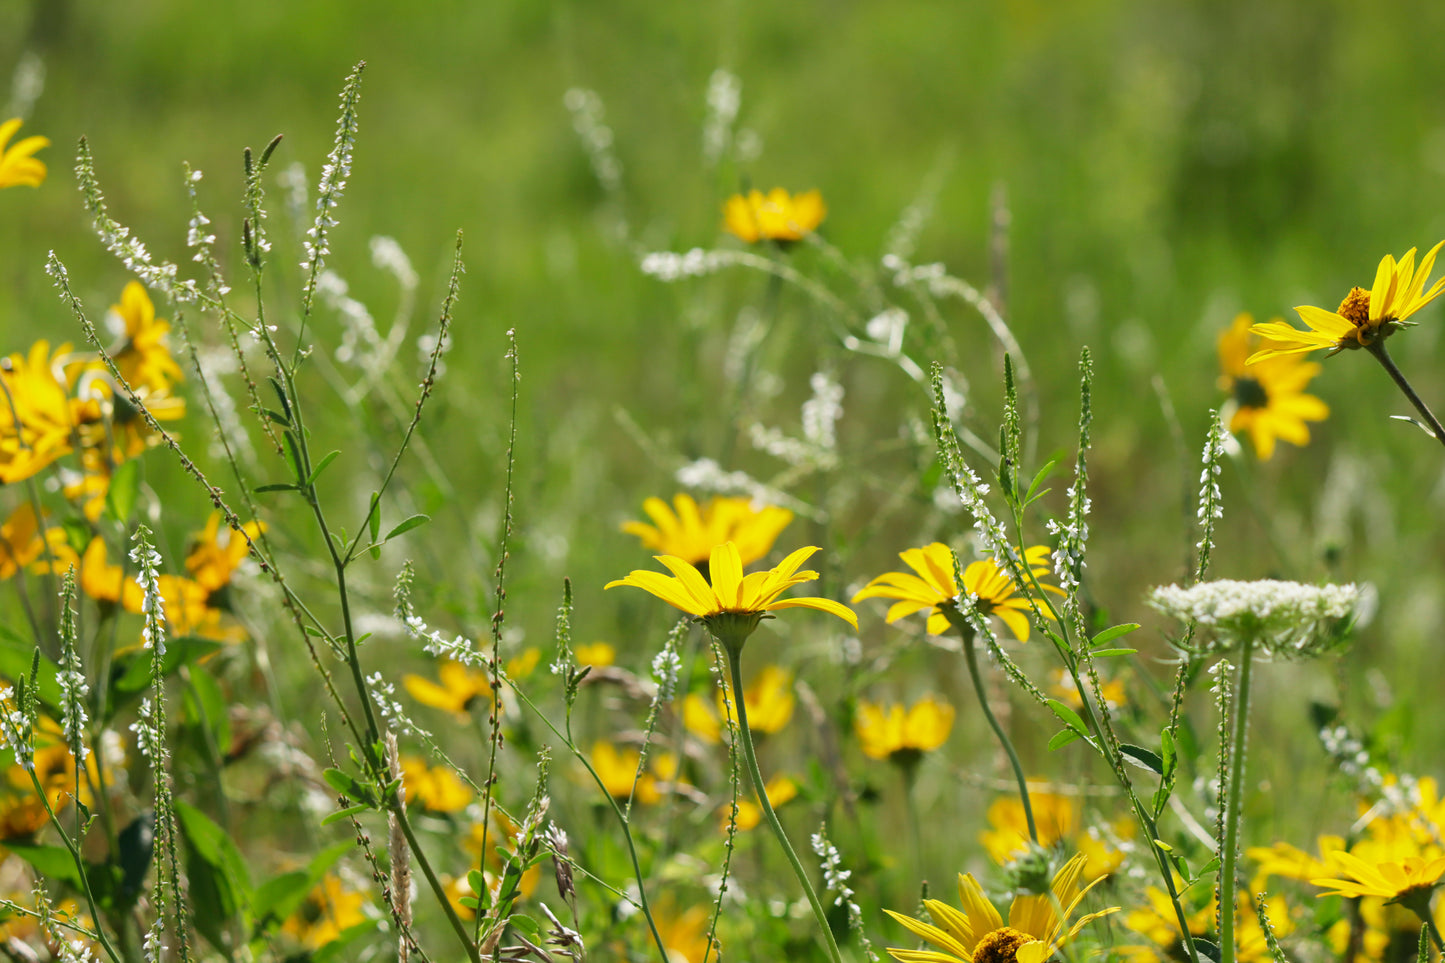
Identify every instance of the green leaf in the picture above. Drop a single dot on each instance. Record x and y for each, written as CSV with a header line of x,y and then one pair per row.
x,y
278,898
124,490
406,526
346,813
279,487
1143,758
209,707
137,848
52,861
346,784
130,673
220,886
529,926
1068,717
1111,653
1112,633
1039,480
1062,738
277,417
321,466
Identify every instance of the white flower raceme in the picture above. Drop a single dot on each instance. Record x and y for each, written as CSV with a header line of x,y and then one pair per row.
x,y
1285,618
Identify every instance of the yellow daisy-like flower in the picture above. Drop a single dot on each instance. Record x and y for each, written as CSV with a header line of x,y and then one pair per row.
x,y
215,555
933,588
436,788
776,216
1397,882
37,415
768,699
1037,925
684,934
459,688
691,533
1057,819
599,655
144,359
329,909
618,771
903,736
1268,397
780,789
17,166
1363,316
731,593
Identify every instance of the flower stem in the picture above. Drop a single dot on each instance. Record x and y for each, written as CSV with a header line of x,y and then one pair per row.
x,y
1377,348
1232,819
970,656
734,651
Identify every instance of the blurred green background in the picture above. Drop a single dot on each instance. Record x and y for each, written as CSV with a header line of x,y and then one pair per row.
x,y
1166,166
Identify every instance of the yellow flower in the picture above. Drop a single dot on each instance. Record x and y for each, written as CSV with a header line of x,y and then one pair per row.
x,y
1158,923
105,582
598,654
684,935
459,690
933,587
768,699
435,787
1056,817
524,663
618,772
1268,397
16,164
780,789
691,533
144,359
732,593
213,561
890,732
23,542
1115,695
36,412
1036,925
328,910
778,216
1363,316
1394,881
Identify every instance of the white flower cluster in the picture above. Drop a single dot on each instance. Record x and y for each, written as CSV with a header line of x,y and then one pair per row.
x,y
145,729
822,411
383,693
1285,618
724,99
197,235
387,254
359,337
671,266
73,690
665,668
707,475
1211,502
151,947
835,880
586,109
459,649
147,576
15,731
333,176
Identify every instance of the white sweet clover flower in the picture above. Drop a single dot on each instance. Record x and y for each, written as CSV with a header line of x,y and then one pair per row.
x,y
822,411
724,99
73,690
388,255
586,109
1285,618
333,177
835,880
459,649
145,730
665,668
671,266
383,694
15,731
148,562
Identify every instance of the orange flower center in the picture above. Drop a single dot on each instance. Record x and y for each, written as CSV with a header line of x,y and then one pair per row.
x,y
1000,946
1355,308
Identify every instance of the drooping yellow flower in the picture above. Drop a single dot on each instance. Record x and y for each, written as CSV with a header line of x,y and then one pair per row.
x,y
691,533
776,216
329,910
458,691
768,698
933,587
1267,397
780,789
17,166
1037,925
144,359
731,592
902,736
1394,881
596,654
1057,818
1363,316
433,787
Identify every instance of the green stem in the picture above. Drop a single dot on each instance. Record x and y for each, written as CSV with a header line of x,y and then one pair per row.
x,y
80,865
1377,348
1232,819
970,656
734,650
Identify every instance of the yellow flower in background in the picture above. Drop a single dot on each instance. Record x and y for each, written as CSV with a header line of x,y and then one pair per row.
x,y
105,582
1394,881
902,736
618,772
457,692
776,216
24,543
523,663
1267,397
731,592
691,533
1363,316
768,698
1057,818
144,359
215,555
597,654
329,909
780,789
1037,925
1063,688
434,787
933,587
17,166
684,935
1158,923
36,412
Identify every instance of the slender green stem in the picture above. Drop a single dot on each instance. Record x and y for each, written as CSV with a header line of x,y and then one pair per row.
x,y
909,772
1434,932
970,656
734,650
1230,843
1377,348
80,866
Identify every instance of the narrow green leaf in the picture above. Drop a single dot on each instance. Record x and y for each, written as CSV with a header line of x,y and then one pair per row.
x,y
1039,479
124,490
407,525
341,814
263,489
321,466
1062,738
1112,653
373,517
1143,758
1112,633
1068,717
